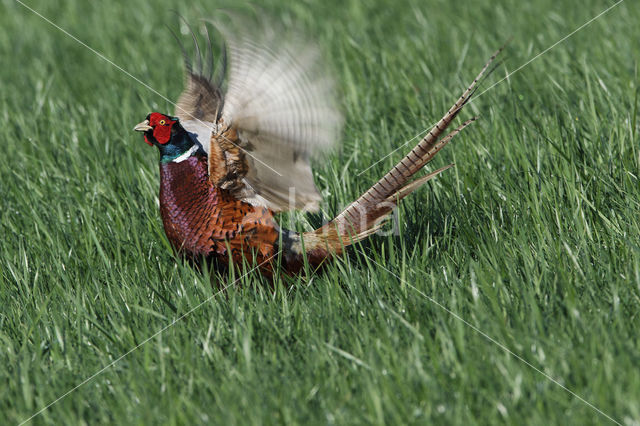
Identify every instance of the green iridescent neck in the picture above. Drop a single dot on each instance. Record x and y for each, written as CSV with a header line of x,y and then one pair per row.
x,y
181,145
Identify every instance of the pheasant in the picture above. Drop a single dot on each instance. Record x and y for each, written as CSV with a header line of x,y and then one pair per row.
x,y
231,160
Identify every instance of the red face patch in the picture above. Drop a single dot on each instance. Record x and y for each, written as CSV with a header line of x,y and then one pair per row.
x,y
161,127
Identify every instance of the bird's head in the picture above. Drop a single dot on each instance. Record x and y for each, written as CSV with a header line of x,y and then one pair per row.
x,y
158,128
167,134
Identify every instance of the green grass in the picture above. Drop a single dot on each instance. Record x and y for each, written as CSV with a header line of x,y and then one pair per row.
x,y
533,238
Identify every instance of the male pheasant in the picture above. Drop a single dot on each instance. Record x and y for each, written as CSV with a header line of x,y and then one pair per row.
x,y
229,161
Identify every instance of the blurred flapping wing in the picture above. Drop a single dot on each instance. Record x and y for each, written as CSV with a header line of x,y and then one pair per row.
x,y
281,101
278,112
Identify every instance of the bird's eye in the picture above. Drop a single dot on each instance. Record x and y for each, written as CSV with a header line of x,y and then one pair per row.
x,y
162,122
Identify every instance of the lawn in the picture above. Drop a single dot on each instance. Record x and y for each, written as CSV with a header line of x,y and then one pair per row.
x,y
510,292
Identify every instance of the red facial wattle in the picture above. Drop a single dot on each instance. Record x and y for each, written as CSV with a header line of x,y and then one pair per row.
x,y
162,133
161,128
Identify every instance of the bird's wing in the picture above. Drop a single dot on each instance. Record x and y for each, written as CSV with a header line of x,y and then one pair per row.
x,y
278,112
280,101
201,99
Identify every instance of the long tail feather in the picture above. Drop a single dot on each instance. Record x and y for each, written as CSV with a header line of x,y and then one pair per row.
x,y
364,216
410,187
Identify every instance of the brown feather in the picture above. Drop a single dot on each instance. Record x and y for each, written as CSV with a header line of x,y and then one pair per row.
x,y
217,163
200,100
358,220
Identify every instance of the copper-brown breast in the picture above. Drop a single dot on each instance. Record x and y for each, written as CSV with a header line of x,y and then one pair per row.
x,y
203,220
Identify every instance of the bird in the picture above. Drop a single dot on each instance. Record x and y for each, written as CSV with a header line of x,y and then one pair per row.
x,y
237,151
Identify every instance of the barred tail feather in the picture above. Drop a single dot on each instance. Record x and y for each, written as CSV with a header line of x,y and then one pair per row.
x,y
364,216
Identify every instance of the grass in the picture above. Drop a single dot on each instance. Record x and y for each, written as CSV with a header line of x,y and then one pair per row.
x,y
533,238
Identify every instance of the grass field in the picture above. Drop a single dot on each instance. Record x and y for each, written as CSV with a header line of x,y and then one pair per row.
x,y
531,244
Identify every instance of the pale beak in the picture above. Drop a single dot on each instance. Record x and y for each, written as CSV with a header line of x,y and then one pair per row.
x,y
143,127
